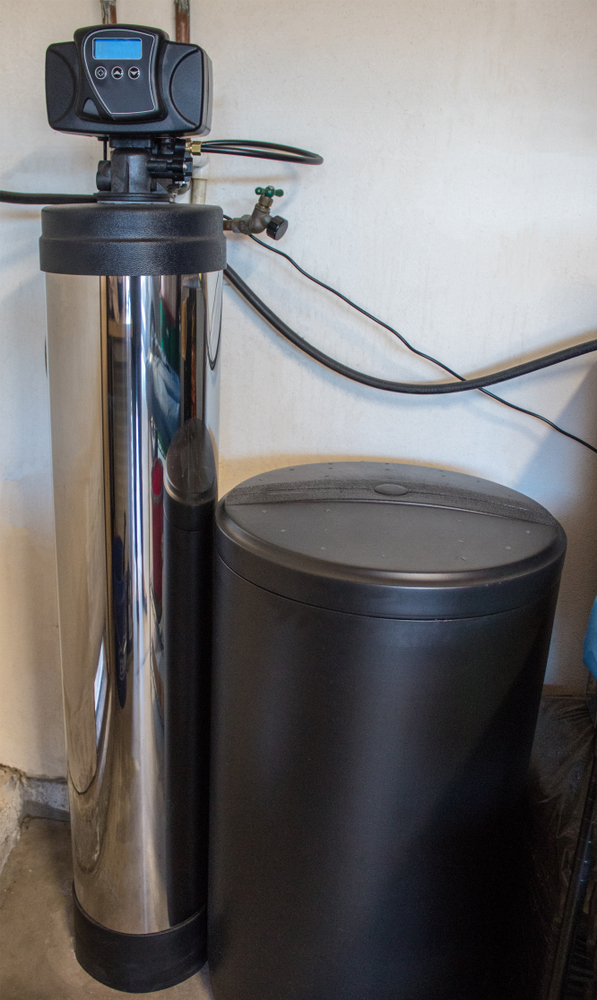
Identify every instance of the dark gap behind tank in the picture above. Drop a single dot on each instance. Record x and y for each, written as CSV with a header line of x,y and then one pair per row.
x,y
559,944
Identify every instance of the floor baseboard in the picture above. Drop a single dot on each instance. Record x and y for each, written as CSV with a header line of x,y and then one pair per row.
x,y
21,796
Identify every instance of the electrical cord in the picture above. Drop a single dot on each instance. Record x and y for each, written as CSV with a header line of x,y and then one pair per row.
x,y
539,416
262,150
411,388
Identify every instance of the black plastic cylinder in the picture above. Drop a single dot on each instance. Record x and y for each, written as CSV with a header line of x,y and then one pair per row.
x,y
381,638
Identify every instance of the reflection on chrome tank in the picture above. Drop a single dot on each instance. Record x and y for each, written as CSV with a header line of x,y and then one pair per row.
x,y
135,401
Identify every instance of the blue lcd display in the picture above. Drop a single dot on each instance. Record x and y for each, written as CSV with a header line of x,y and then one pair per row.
x,y
117,48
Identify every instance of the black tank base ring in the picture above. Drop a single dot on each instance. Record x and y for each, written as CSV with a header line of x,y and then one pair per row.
x,y
140,963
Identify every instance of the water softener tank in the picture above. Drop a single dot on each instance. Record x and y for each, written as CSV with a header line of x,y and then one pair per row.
x,y
381,638
134,310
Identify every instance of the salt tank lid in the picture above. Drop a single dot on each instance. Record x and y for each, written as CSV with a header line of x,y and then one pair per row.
x,y
390,539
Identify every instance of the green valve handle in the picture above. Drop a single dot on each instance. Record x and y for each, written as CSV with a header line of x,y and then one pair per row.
x,y
269,192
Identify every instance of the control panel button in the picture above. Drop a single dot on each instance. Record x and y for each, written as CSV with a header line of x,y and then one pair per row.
x,y
134,72
117,72
101,73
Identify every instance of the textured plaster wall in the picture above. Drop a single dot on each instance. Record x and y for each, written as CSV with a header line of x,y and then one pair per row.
x,y
458,200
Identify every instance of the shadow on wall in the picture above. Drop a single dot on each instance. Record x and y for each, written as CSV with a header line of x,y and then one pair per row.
x,y
571,496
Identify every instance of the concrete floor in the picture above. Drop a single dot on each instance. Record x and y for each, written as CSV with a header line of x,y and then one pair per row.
x,y
37,961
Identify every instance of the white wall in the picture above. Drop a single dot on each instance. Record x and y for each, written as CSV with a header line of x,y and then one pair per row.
x,y
458,200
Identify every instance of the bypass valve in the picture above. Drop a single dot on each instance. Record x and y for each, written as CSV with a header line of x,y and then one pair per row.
x,y
260,219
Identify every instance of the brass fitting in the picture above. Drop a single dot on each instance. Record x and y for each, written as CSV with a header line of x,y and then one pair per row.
x,y
193,146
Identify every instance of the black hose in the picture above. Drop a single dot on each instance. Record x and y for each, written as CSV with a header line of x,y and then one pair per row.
x,y
262,150
412,388
21,198
231,147
421,354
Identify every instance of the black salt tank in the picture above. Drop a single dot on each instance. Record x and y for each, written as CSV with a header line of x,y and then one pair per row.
x,y
381,638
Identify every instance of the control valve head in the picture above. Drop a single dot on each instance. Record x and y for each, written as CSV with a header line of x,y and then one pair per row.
x,y
128,80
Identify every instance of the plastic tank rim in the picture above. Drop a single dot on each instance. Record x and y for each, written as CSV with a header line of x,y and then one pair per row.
x,y
425,595
132,239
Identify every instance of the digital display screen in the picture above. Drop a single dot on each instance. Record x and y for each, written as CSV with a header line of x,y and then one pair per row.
x,y
117,48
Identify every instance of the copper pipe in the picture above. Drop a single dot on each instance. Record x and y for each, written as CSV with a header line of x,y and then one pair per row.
x,y
182,10
108,11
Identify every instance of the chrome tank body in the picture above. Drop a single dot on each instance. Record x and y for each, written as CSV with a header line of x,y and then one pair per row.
x,y
134,385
